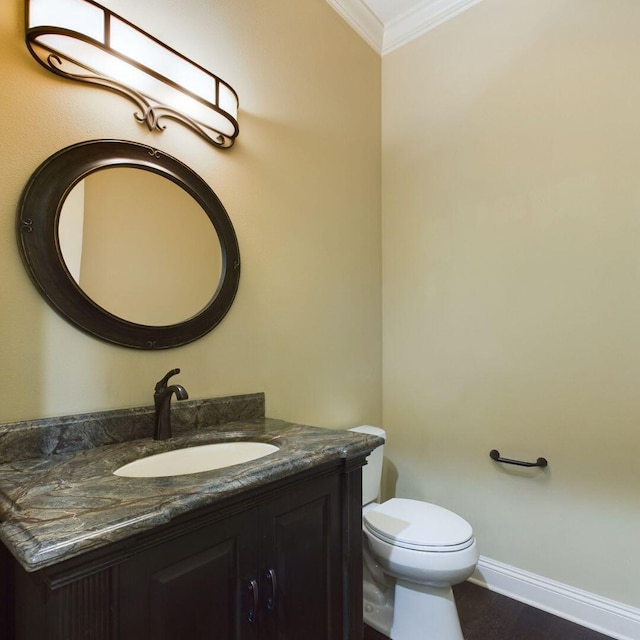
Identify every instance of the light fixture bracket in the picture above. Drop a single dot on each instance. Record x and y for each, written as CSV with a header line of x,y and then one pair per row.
x,y
82,40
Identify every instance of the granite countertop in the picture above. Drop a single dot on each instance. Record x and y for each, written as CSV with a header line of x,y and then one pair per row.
x,y
56,507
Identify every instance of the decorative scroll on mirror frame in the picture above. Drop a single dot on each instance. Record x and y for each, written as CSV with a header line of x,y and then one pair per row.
x,y
39,243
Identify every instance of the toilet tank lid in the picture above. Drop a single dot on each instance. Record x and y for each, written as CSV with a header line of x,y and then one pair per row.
x,y
372,431
418,525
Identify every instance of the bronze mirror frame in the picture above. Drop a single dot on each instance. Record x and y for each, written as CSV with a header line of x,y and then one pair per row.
x,y
37,230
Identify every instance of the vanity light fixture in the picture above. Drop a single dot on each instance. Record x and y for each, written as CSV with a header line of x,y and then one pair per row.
x,y
82,40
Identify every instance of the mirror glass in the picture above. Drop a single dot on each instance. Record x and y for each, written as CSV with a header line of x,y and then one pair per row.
x,y
139,246
128,244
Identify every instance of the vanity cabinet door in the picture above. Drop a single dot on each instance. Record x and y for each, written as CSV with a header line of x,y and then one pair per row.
x,y
301,563
195,586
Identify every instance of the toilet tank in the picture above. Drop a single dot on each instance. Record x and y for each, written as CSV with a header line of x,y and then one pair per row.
x,y
372,471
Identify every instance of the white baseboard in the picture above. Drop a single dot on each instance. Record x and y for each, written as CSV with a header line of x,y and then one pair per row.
x,y
587,609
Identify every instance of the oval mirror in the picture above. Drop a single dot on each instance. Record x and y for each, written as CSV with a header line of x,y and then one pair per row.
x,y
118,233
128,244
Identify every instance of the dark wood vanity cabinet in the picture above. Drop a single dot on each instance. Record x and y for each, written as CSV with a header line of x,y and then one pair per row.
x,y
283,563
300,559
272,572
191,586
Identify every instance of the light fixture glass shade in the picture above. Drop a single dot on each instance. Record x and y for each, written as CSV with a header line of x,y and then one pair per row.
x,y
82,40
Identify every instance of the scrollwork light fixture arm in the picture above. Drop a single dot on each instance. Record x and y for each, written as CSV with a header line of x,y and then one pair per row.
x,y
82,40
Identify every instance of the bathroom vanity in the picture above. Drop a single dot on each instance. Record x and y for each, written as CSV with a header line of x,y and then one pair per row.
x,y
267,549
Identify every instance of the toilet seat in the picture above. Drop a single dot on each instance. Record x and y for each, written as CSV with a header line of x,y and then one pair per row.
x,y
417,525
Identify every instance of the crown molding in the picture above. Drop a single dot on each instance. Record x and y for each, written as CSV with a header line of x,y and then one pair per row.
x,y
427,15
358,15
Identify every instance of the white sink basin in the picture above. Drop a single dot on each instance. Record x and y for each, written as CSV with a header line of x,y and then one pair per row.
x,y
195,459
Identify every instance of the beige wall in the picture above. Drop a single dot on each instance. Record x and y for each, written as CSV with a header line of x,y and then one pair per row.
x,y
302,187
511,281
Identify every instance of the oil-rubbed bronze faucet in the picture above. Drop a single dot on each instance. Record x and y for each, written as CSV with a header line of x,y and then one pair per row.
x,y
162,401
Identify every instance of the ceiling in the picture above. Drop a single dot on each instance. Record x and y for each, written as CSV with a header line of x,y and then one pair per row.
x,y
389,24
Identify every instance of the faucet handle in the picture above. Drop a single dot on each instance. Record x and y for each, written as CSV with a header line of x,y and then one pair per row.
x,y
162,384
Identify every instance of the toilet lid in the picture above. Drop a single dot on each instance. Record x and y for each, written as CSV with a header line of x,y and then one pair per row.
x,y
413,524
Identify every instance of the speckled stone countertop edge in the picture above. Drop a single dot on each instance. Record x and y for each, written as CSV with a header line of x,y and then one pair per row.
x,y
60,506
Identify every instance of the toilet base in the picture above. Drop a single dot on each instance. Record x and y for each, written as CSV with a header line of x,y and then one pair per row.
x,y
378,597
411,611
424,613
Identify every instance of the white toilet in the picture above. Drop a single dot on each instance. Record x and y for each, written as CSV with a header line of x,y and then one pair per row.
x,y
414,552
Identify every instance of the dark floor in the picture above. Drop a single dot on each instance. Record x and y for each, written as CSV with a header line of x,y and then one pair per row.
x,y
485,615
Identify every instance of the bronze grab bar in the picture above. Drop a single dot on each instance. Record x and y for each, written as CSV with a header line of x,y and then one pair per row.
x,y
540,462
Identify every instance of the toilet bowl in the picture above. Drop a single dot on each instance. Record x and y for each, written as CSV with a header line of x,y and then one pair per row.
x,y
414,552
